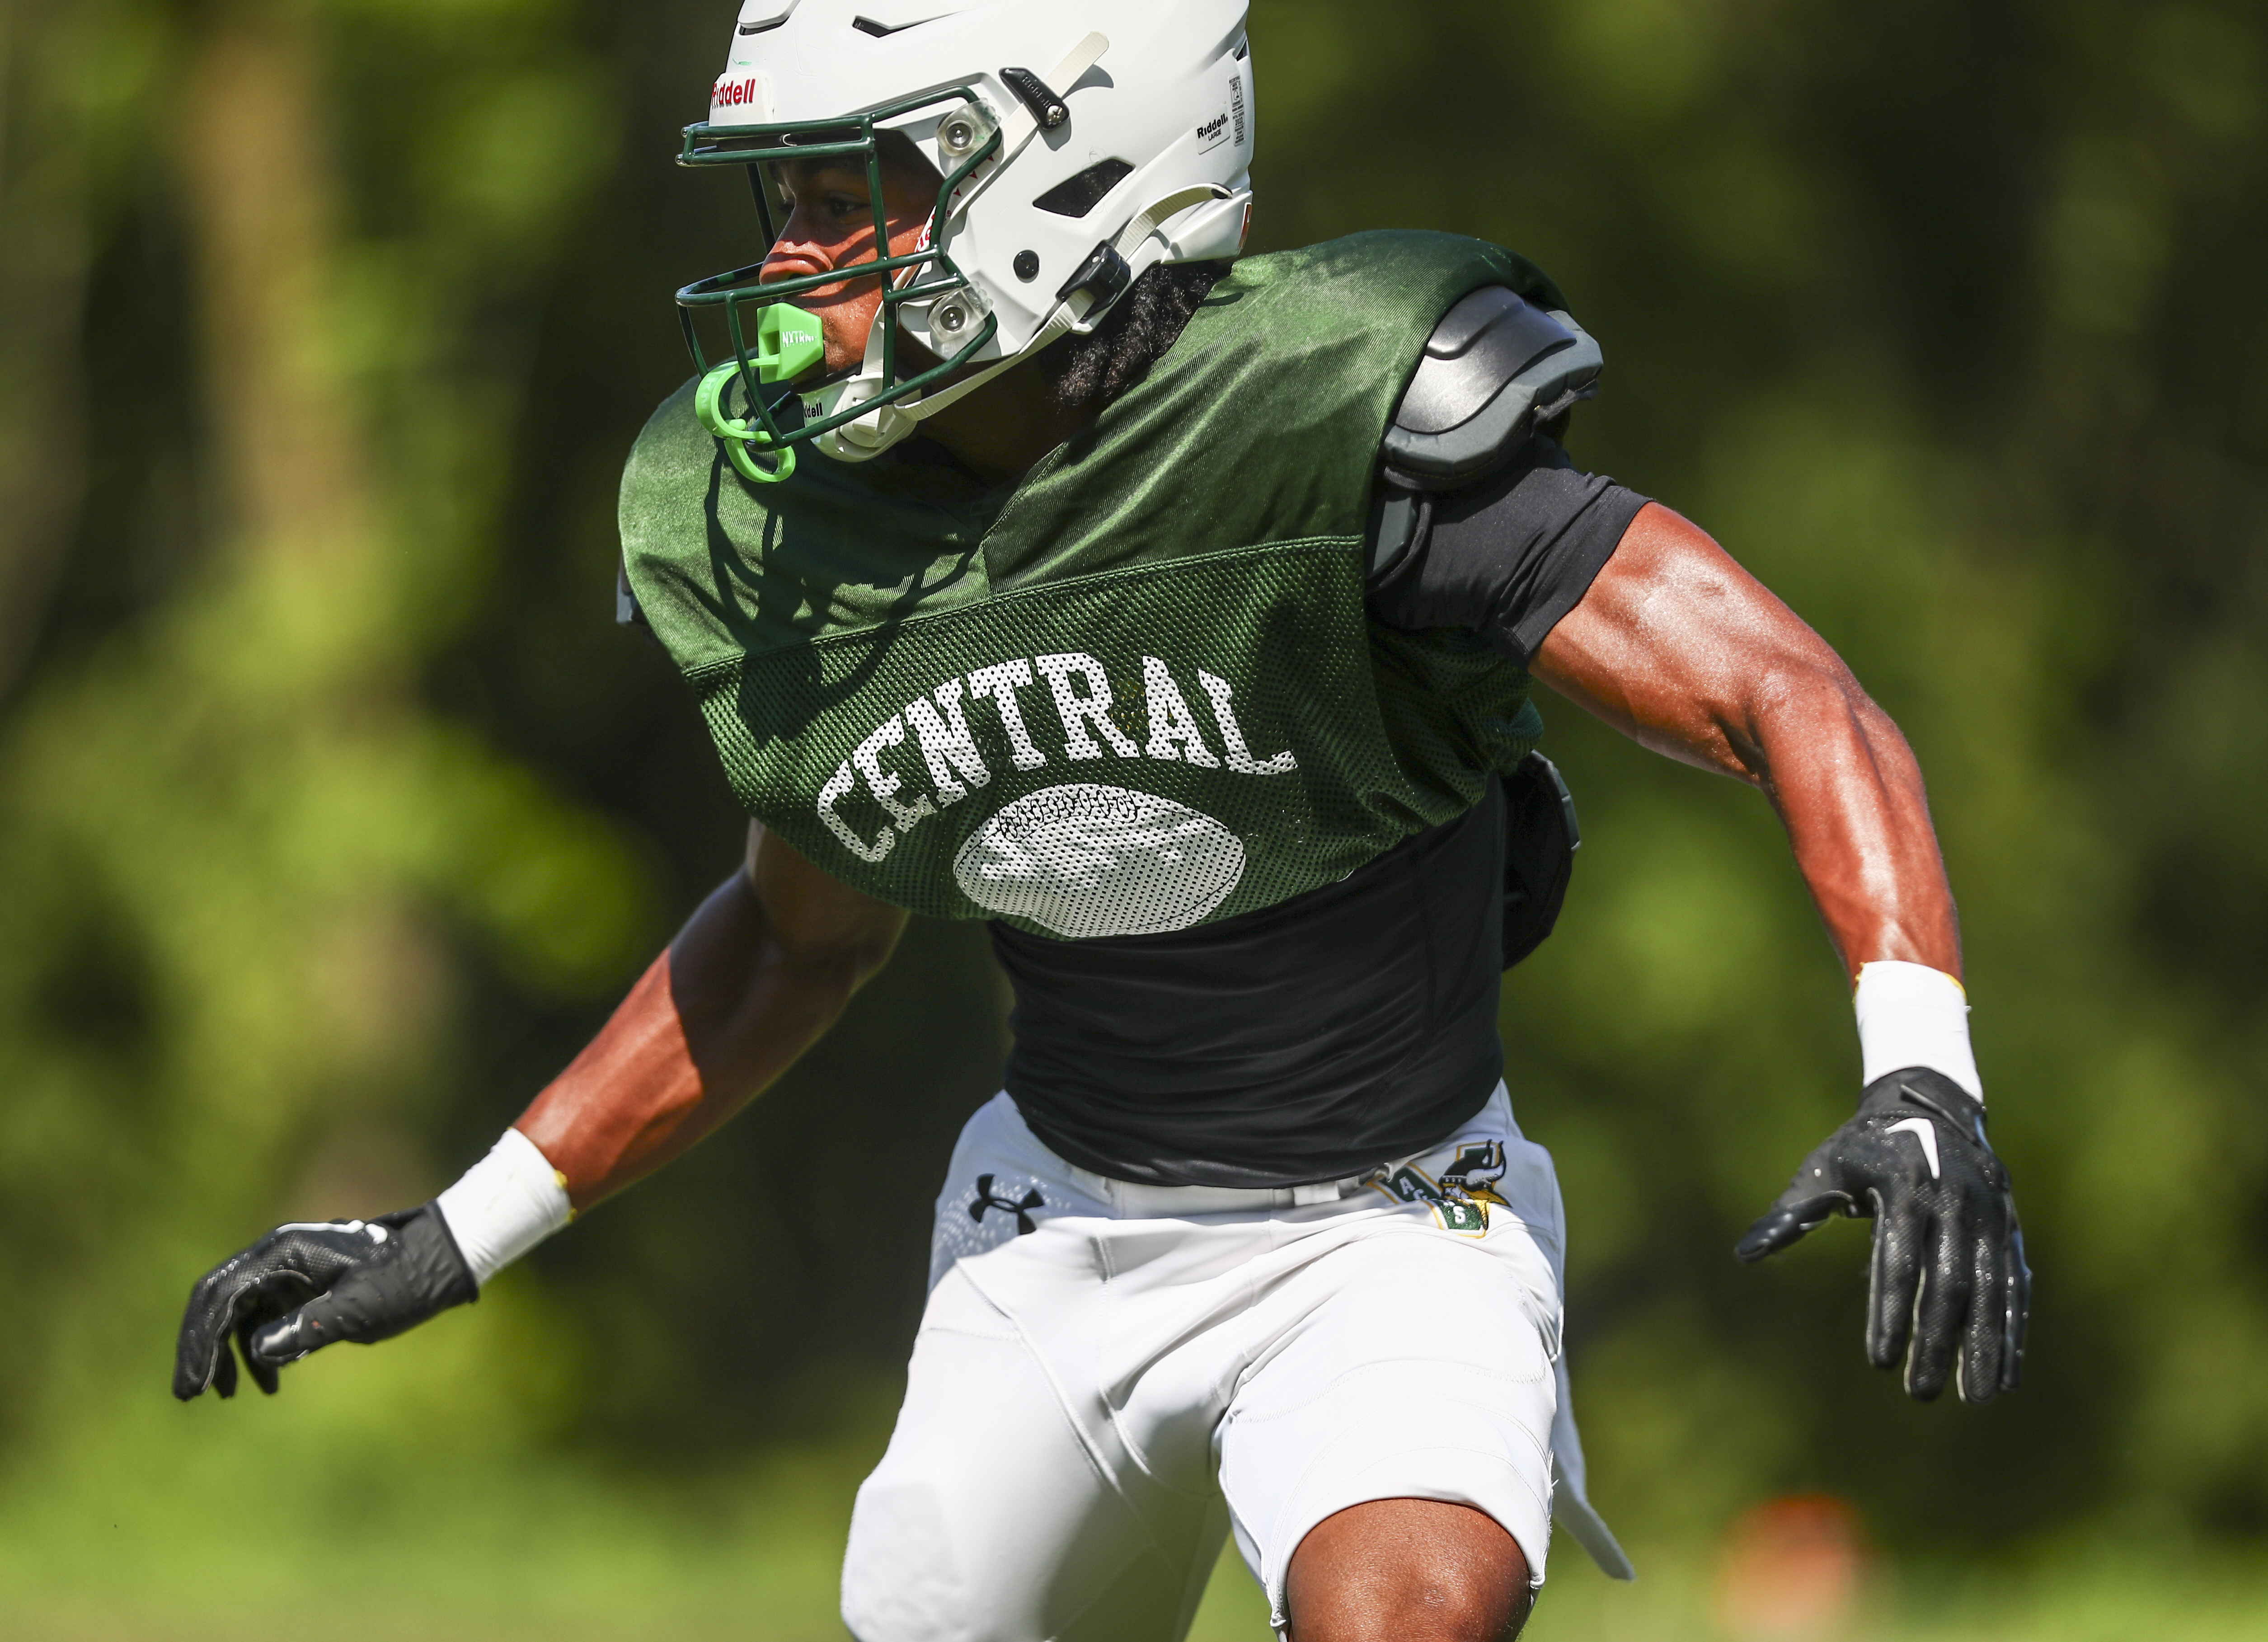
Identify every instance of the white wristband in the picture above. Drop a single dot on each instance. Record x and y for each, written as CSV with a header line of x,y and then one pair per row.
x,y
506,1204
1912,1015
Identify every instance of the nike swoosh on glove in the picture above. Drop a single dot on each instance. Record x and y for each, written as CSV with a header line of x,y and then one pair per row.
x,y
309,1284
1949,1277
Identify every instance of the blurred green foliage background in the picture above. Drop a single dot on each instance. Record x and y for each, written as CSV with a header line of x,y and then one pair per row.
x,y
334,811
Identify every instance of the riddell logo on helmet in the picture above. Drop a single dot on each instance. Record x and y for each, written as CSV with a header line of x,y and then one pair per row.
x,y
732,93
1211,133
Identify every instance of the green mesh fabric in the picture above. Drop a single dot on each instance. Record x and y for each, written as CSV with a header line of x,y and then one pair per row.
x,y
1135,692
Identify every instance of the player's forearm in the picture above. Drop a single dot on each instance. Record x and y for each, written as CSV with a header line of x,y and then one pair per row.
x,y
716,1019
1849,793
757,973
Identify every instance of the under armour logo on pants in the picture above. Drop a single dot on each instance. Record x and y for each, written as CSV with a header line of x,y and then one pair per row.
x,y
1021,1210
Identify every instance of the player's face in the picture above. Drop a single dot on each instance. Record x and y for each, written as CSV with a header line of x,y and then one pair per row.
x,y
830,225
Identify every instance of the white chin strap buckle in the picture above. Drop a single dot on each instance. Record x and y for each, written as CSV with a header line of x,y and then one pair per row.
x,y
881,426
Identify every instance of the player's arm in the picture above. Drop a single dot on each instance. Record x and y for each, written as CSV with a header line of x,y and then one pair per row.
x,y
1680,648
759,972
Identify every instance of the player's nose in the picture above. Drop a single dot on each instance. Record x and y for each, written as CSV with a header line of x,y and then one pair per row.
x,y
807,246
792,258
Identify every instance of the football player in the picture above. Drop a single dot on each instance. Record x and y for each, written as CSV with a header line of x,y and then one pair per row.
x,y
1036,559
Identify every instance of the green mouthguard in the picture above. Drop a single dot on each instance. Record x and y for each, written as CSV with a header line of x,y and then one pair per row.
x,y
789,341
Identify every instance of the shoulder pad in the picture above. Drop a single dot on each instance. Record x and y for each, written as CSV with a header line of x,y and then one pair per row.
x,y
1495,368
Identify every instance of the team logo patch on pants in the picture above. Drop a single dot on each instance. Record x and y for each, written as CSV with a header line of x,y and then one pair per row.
x,y
1477,1171
1457,1208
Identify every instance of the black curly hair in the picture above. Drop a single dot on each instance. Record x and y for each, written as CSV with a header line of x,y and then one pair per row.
x,y
1087,373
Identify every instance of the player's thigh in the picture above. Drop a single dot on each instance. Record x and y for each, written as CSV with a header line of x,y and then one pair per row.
x,y
1421,1370
990,1521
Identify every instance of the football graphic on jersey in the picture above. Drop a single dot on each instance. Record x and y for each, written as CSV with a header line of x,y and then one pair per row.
x,y
1085,860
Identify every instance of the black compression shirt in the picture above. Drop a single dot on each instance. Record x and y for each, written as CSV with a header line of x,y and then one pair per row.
x,y
1313,1039
1509,556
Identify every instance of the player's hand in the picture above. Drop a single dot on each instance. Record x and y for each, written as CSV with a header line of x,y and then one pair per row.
x,y
1949,1277
308,1283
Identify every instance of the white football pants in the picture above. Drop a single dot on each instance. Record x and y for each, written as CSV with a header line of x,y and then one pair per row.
x,y
1110,1377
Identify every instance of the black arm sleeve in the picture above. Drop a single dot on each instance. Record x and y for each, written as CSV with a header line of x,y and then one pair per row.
x,y
1509,556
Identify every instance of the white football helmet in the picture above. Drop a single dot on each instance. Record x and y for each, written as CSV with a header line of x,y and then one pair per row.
x,y
1079,142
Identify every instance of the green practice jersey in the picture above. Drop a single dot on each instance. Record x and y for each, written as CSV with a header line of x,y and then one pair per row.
x,y
1137,689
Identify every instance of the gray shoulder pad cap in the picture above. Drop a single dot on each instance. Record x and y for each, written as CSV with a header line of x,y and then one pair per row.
x,y
1494,369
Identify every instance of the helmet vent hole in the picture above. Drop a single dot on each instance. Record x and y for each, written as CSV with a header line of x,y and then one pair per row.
x,y
1079,195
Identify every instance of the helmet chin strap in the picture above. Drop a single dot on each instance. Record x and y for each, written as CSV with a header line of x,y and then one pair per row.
x,y
1020,125
885,426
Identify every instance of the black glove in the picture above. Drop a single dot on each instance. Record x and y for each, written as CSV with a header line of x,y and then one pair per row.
x,y
306,1284
1949,1271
